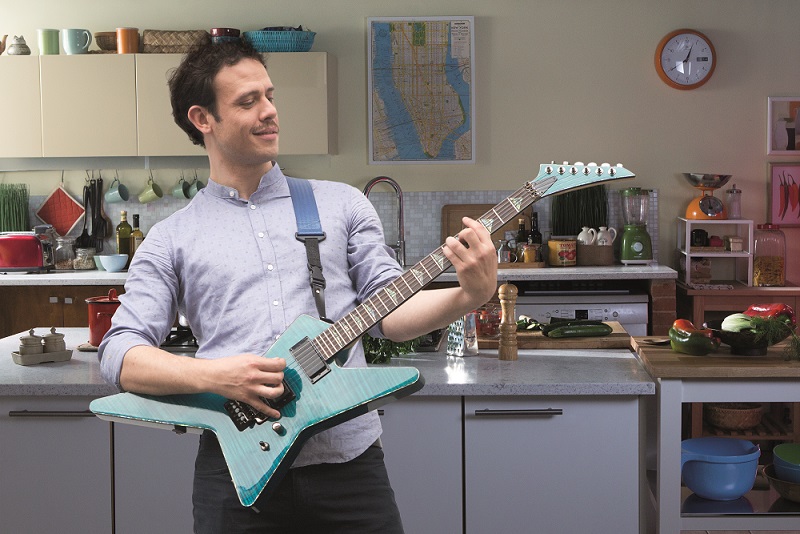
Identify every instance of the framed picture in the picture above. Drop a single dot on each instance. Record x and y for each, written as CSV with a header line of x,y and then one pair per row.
x,y
421,89
782,132
785,193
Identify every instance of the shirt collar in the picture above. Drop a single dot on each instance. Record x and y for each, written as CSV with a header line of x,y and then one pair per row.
x,y
272,185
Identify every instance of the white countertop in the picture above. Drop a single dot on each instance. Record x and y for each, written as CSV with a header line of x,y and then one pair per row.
x,y
611,272
536,372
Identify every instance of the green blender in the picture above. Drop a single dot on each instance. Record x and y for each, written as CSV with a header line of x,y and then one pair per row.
x,y
636,248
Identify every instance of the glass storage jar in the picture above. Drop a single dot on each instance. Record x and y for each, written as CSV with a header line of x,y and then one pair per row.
x,y
84,259
769,256
65,253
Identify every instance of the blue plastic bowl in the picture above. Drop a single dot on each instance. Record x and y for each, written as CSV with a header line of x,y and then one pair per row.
x,y
786,471
720,469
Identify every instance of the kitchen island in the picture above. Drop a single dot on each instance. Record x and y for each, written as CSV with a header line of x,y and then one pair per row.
x,y
484,443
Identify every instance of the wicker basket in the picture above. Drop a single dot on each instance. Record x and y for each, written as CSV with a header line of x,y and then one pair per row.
x,y
171,42
106,41
283,41
733,415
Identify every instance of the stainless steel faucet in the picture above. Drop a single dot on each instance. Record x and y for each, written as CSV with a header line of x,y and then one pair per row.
x,y
400,248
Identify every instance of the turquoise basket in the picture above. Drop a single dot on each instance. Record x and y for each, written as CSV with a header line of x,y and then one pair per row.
x,y
286,41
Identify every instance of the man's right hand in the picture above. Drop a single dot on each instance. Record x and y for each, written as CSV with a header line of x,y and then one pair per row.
x,y
247,378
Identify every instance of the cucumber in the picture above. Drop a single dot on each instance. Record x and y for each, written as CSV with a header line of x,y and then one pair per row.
x,y
569,322
578,330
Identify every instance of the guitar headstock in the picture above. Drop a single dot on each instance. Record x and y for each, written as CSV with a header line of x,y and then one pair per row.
x,y
576,176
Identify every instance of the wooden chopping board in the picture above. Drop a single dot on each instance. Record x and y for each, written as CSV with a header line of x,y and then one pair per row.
x,y
617,339
452,214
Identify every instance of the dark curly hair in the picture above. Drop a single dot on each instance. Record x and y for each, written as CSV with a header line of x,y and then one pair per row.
x,y
192,82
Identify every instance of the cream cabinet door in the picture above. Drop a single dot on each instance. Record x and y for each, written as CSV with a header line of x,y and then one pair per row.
x,y
158,135
304,95
21,132
88,105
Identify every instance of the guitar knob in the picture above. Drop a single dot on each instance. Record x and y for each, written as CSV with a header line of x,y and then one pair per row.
x,y
278,429
264,445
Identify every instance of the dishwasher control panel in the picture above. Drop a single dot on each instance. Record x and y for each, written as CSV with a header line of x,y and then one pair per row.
x,y
630,310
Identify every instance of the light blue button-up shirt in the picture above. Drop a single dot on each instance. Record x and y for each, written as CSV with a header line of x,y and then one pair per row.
x,y
234,269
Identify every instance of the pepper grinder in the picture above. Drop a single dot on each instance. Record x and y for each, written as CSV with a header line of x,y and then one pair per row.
x,y
507,346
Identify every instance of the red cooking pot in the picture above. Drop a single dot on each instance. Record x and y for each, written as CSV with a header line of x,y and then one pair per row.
x,y
101,310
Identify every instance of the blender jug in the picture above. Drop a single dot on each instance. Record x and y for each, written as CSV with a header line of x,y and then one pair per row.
x,y
635,246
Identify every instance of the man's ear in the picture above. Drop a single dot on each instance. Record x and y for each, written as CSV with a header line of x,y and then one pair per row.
x,y
198,116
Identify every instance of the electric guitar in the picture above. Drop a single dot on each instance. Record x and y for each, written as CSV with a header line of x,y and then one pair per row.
x,y
318,392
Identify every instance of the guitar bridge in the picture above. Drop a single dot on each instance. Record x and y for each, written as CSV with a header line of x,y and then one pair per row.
x,y
245,416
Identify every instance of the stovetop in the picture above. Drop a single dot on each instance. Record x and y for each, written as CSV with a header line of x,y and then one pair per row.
x,y
180,339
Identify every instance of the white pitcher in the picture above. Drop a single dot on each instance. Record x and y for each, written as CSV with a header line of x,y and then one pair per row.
x,y
587,236
606,236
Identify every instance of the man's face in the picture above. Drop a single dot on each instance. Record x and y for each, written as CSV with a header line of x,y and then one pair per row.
x,y
245,128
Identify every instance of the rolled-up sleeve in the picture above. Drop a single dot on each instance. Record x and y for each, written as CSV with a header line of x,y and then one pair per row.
x,y
148,306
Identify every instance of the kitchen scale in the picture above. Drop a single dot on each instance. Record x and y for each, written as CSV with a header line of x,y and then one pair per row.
x,y
706,206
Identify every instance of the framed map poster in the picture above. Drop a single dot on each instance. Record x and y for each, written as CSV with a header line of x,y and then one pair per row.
x,y
421,85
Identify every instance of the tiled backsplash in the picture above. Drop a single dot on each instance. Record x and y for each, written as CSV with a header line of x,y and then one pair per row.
x,y
423,215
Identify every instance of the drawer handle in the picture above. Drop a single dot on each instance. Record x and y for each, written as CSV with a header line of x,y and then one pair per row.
x,y
543,412
50,413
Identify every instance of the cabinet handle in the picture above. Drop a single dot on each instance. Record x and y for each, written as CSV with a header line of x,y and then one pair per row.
x,y
67,300
50,413
53,300
542,412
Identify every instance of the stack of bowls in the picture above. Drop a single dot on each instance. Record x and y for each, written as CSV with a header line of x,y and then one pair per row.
x,y
786,458
719,469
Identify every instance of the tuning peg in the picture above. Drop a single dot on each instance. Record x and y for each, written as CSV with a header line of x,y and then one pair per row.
x,y
566,163
605,165
592,164
573,171
548,169
561,170
578,163
612,171
586,171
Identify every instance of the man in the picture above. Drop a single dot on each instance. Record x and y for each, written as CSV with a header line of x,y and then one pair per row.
x,y
229,262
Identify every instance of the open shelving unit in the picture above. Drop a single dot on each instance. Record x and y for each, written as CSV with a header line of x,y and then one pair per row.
x,y
741,226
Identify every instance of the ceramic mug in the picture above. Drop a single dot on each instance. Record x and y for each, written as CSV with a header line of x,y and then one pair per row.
x,y
127,40
153,192
195,188
48,42
181,190
117,192
76,41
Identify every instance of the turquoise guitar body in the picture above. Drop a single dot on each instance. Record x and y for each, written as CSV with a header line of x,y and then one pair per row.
x,y
321,394
259,455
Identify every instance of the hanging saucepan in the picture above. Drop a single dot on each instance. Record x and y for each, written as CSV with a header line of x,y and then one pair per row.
x,y
101,310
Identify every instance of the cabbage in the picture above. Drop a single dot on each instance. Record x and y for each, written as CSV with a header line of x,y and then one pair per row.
x,y
737,323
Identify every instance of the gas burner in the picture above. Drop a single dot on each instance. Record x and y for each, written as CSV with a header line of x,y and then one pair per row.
x,y
180,339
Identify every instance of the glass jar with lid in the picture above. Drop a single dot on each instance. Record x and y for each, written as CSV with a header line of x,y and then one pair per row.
x,y
769,256
65,253
84,259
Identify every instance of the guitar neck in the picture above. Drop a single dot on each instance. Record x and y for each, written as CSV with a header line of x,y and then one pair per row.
x,y
353,325
552,179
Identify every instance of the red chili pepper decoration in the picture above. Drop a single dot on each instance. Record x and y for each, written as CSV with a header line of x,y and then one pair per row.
x,y
773,310
783,190
794,194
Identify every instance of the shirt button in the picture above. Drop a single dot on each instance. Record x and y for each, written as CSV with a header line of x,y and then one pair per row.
x,y
231,193
277,337
260,234
275,302
270,267
252,206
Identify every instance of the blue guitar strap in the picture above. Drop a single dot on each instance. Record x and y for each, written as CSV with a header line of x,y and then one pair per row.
x,y
309,231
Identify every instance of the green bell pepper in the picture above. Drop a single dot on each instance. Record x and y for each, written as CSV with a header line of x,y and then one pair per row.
x,y
684,337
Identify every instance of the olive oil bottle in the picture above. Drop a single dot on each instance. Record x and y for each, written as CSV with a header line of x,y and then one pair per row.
x,y
124,232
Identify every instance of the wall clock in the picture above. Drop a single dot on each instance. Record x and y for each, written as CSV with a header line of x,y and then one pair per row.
x,y
685,59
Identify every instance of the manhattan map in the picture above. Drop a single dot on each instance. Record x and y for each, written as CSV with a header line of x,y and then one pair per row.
x,y
421,78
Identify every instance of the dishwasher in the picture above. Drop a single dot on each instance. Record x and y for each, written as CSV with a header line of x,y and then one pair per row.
x,y
627,307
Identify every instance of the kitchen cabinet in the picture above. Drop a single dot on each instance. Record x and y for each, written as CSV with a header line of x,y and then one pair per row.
x,y
158,135
55,466
26,307
422,450
88,105
21,134
743,228
305,88
153,475
561,464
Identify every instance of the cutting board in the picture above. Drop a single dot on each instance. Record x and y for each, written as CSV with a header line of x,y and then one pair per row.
x,y
617,339
452,214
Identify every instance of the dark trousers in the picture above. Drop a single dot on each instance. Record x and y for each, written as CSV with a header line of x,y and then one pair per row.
x,y
353,497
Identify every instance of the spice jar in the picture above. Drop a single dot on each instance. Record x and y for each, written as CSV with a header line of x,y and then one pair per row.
x,y
65,253
769,256
84,258
54,341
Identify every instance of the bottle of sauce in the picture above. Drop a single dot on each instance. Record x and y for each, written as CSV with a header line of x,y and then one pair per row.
x,y
522,238
136,235
124,232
